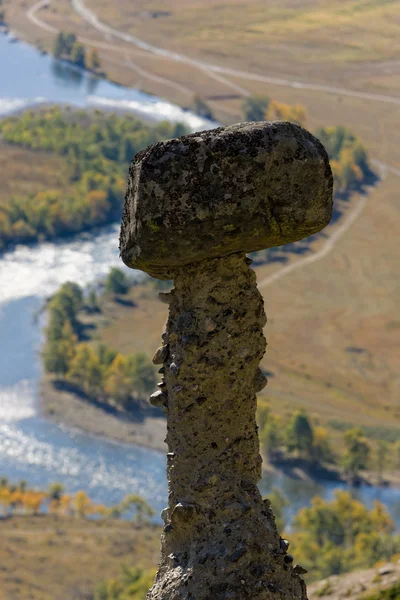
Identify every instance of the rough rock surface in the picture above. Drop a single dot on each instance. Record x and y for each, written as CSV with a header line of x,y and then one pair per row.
x,y
220,541
236,189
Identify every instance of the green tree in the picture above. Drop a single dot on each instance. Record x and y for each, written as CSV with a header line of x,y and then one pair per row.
x,y
92,302
142,372
55,491
106,355
133,585
117,282
59,352
69,42
299,434
254,108
93,60
201,108
278,502
382,452
78,55
337,536
396,453
356,456
271,436
322,450
59,45
140,507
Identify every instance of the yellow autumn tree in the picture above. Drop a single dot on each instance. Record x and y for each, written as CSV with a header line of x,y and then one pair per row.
x,y
279,111
118,383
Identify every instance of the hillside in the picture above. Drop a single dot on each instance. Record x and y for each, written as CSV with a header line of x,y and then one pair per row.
x,y
44,558
50,557
379,583
333,325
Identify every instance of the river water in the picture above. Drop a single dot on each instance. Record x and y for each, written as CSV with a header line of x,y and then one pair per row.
x,y
31,447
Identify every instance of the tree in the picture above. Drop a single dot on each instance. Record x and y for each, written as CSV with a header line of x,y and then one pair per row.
x,y
92,302
396,451
117,282
141,508
299,434
86,371
357,452
118,383
69,42
254,108
270,436
59,352
286,112
82,504
93,60
142,372
201,108
59,45
2,17
78,55
381,456
278,502
341,535
55,493
322,450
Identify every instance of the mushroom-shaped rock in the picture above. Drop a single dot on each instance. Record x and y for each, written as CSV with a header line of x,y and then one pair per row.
x,y
194,207
235,189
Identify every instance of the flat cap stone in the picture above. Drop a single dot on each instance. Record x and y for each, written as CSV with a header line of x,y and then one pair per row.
x,y
242,188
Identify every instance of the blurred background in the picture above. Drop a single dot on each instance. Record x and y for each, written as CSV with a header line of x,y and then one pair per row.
x,y
86,84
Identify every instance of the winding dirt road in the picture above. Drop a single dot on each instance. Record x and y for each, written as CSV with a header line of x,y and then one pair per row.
x,y
217,71
90,17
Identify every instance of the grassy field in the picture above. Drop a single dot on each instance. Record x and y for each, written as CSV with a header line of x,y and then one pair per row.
x,y
48,558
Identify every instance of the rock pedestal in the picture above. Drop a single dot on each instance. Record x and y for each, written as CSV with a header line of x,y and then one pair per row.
x,y
219,541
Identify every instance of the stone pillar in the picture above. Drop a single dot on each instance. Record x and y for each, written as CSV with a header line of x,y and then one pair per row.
x,y
219,538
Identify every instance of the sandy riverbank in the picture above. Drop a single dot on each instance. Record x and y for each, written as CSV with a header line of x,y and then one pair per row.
x,y
143,428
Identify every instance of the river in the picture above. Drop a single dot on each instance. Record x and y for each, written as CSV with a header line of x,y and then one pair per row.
x,y
31,447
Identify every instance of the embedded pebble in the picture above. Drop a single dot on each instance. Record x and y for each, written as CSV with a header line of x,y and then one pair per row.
x,y
158,399
166,298
210,324
299,570
161,355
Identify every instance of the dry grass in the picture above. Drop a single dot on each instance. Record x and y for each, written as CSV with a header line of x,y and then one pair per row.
x,y
48,558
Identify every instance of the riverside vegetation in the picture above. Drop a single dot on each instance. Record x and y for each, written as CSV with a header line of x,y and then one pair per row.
x,y
327,538
67,47
97,371
95,149
80,357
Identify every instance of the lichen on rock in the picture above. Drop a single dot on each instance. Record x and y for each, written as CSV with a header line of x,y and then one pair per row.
x,y
236,189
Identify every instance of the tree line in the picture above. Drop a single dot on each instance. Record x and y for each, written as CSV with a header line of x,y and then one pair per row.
x,y
19,499
97,149
346,151
95,370
299,438
66,46
326,538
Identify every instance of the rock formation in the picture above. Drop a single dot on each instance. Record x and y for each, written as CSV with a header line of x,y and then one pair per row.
x,y
194,207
